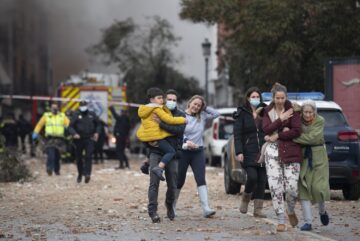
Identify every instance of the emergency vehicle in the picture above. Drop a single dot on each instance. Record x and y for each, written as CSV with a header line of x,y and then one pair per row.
x,y
98,90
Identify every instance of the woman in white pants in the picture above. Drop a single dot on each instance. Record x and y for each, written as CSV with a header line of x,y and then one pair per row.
x,y
281,124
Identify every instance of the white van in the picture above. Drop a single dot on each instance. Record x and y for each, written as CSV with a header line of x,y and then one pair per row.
x,y
216,135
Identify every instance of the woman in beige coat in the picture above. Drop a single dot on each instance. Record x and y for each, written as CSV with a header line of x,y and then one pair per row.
x,y
314,172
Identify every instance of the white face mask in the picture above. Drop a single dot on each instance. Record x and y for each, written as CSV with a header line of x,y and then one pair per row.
x,y
254,102
171,104
83,108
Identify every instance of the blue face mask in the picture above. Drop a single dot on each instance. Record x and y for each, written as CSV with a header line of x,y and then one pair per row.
x,y
171,105
254,102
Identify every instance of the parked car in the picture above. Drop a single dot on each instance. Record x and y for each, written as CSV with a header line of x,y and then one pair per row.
x,y
343,148
216,135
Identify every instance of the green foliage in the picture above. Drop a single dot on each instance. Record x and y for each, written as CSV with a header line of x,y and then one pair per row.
x,y
144,54
281,40
12,169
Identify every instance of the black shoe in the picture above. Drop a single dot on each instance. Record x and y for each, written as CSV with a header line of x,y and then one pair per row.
x,y
306,227
158,171
170,211
324,218
57,173
155,218
79,178
145,168
49,172
87,179
120,167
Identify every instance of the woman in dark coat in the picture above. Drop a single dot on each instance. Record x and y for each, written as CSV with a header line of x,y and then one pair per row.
x,y
248,138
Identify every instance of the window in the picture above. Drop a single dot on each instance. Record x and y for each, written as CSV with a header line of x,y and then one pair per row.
x,y
333,118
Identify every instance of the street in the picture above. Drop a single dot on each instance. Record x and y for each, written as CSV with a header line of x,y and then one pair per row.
x,y
113,206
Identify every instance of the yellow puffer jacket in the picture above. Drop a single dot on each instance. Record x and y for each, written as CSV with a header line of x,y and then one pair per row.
x,y
150,130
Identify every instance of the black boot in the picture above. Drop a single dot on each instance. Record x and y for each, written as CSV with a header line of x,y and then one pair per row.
x,y
158,171
170,211
79,178
155,218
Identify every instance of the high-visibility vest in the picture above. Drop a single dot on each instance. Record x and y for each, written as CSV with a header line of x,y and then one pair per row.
x,y
54,124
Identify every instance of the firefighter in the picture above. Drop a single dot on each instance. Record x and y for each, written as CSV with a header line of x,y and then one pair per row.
x,y
55,123
85,129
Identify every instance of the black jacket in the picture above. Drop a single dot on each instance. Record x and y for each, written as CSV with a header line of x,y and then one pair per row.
x,y
248,135
9,130
177,130
86,124
122,124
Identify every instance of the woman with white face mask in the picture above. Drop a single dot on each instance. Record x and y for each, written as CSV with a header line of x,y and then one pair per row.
x,y
248,139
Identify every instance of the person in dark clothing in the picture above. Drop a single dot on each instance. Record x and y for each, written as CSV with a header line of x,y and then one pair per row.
x,y
25,129
85,129
9,129
98,152
248,140
121,132
171,169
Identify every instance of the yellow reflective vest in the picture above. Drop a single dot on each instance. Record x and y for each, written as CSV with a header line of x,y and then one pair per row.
x,y
54,124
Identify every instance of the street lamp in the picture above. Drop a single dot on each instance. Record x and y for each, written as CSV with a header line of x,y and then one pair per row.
x,y
206,47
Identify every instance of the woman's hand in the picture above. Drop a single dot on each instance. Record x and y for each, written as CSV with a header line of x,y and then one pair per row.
x,y
286,114
274,138
191,145
156,118
240,157
286,129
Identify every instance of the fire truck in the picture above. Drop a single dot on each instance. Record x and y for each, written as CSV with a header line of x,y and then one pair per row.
x,y
98,89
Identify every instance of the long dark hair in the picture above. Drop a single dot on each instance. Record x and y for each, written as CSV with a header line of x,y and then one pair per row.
x,y
248,93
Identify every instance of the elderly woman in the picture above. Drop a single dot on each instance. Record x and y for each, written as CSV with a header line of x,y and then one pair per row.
x,y
314,173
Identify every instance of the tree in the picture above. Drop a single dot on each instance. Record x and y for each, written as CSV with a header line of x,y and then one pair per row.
x,y
144,55
281,40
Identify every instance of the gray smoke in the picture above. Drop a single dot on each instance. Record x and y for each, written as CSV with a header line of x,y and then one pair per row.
x,y
74,25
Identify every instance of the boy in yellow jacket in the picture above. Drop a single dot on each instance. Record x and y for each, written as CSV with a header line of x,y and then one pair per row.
x,y
150,131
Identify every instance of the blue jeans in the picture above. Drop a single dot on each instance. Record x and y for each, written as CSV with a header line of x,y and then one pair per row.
x,y
167,149
195,159
53,159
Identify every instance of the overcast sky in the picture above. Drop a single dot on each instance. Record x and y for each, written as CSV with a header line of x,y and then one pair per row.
x,y
76,24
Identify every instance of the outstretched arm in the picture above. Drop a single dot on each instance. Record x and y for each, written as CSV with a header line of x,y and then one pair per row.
x,y
168,118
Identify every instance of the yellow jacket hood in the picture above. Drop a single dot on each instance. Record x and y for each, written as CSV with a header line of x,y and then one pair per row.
x,y
145,111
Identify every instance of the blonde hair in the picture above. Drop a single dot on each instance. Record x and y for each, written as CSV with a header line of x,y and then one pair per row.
x,y
202,106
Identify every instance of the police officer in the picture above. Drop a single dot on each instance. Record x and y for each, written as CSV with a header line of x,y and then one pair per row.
x,y
85,129
55,123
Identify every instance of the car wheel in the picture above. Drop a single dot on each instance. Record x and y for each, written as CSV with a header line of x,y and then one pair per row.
x,y
351,192
231,187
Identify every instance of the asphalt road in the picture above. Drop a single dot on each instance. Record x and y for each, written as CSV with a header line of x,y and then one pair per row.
x,y
113,206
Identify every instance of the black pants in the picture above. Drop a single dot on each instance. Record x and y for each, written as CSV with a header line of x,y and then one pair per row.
x,y
87,145
256,180
98,151
196,159
120,151
170,175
